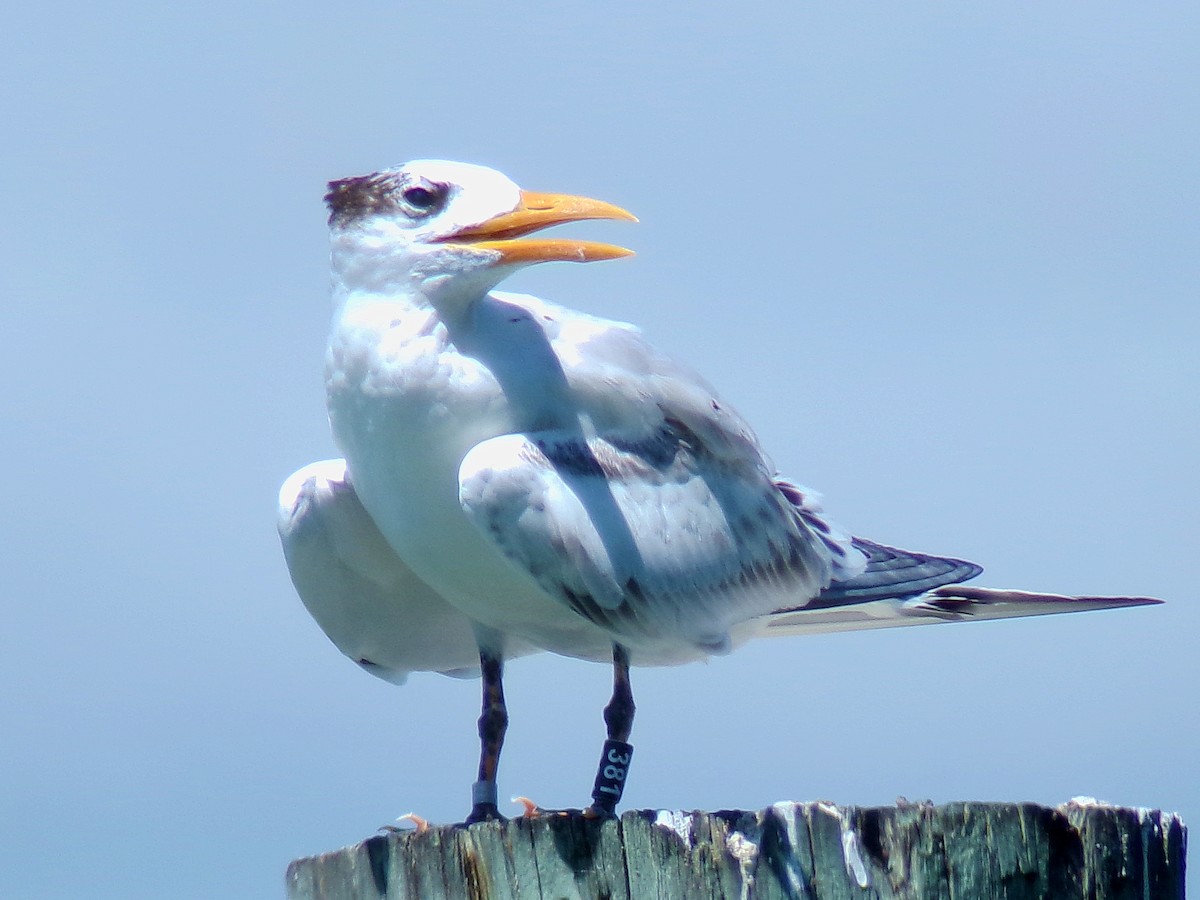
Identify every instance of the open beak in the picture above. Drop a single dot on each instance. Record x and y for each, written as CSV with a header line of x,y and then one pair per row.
x,y
535,212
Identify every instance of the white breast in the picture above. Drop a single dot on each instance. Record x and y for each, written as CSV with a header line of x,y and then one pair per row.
x,y
405,407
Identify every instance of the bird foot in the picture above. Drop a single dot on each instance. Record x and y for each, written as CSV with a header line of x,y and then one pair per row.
x,y
599,811
533,811
484,812
416,823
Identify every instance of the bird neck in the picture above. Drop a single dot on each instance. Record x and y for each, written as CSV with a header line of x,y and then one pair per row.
x,y
442,279
363,264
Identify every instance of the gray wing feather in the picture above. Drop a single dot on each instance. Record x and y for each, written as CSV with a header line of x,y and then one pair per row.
x,y
656,540
894,573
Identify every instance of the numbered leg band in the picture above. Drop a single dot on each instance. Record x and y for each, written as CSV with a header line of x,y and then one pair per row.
x,y
484,792
610,777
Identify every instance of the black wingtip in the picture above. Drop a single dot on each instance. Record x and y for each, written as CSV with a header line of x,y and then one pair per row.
x,y
895,574
1132,601
970,594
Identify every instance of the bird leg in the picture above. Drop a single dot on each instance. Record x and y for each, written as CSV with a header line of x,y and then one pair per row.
x,y
493,722
614,760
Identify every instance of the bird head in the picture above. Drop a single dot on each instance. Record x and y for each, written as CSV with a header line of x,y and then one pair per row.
x,y
445,228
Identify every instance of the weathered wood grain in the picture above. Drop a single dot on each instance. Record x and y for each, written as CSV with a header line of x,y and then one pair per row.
x,y
789,851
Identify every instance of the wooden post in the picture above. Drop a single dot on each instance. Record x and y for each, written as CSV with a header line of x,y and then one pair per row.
x,y
797,851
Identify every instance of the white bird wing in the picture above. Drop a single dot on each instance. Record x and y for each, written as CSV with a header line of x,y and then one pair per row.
x,y
657,543
366,600
653,514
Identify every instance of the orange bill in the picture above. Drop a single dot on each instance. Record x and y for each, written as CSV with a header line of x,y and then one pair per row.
x,y
535,212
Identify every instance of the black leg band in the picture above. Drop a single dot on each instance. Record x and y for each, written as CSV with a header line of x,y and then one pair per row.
x,y
611,774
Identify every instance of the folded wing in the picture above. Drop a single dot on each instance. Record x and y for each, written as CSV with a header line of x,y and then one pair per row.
x,y
658,541
950,603
368,602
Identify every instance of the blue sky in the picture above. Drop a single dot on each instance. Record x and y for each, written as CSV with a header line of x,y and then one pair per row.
x,y
945,258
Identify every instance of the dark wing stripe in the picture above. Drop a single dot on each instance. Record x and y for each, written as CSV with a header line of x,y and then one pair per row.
x,y
893,574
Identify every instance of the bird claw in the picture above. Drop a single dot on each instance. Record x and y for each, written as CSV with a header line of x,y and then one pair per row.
x,y
532,810
419,824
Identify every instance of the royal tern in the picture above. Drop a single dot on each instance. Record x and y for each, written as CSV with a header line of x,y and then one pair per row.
x,y
547,479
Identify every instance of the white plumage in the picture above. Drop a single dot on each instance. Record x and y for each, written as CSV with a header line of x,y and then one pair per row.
x,y
535,477
369,603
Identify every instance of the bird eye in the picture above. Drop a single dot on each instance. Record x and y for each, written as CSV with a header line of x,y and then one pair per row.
x,y
423,199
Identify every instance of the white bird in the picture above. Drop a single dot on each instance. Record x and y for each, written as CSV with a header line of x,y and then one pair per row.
x,y
552,477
